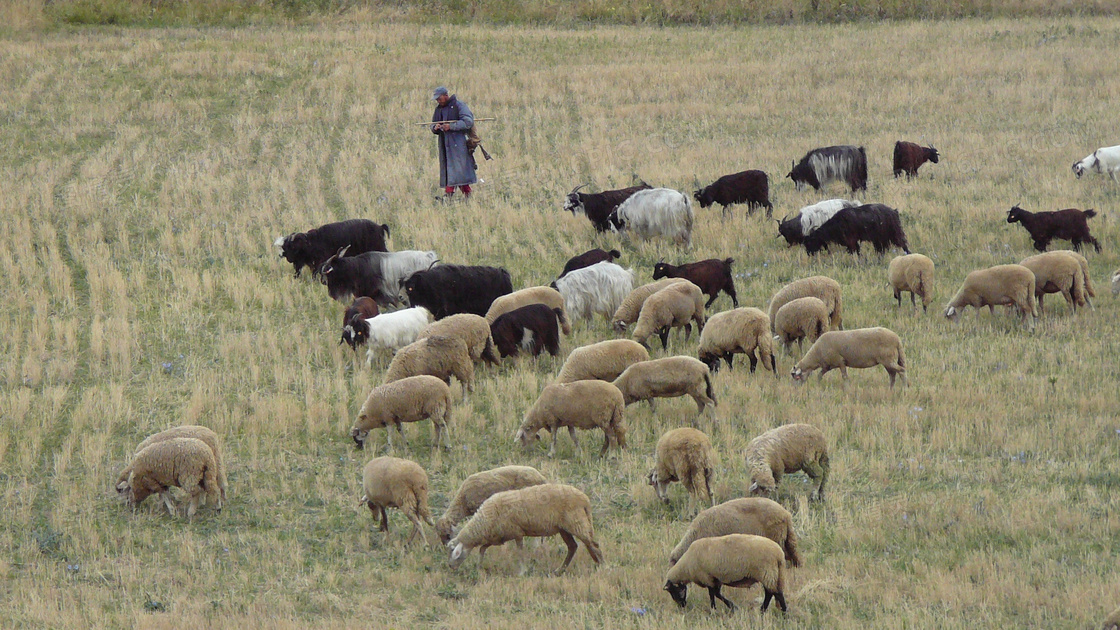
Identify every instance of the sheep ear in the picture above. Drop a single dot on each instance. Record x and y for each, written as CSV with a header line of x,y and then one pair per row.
x,y
754,487
457,552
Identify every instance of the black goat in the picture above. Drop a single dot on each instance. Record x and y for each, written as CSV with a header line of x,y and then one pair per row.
x,y
597,207
749,187
312,248
875,223
449,289
588,258
533,328
1069,225
712,276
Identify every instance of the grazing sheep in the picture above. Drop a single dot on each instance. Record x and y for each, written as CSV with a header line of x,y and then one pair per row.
x,y
588,258
823,287
913,273
1112,622
533,295
656,212
481,486
184,431
360,309
602,361
739,560
738,331
438,356
712,276
997,286
1103,160
675,306
544,510
631,307
684,455
787,449
1115,280
859,348
473,329
909,157
798,319
410,399
807,220
390,482
600,288
1069,225
584,405
752,515
532,328
1058,272
667,378
389,331
182,462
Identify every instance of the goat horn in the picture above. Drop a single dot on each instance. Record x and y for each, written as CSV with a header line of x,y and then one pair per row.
x,y
576,189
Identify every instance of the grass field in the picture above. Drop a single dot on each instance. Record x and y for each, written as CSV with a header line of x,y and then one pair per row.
x,y
147,173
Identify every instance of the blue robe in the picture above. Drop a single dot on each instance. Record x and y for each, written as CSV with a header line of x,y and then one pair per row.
x,y
456,164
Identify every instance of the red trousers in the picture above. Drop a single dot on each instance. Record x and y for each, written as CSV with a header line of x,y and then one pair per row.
x,y
450,190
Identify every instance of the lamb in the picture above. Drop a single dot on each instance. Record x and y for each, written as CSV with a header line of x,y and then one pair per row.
x,y
684,455
184,431
389,331
668,378
823,287
537,511
588,404
473,329
602,361
481,486
588,258
533,295
798,319
913,273
1112,622
390,482
656,212
752,515
631,307
859,348
1103,160
739,560
787,449
1058,272
738,331
1069,225
996,286
360,309
183,462
410,399
439,356
674,306
600,288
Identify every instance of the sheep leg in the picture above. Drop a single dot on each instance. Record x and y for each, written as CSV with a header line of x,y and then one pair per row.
x,y
570,541
754,361
714,594
400,431
606,442
844,372
818,474
898,296
687,330
416,529
729,358
384,519
165,496
575,440
663,334
552,449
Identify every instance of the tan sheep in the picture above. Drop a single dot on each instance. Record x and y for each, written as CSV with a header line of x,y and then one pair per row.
x,y
472,329
537,511
390,482
481,486
668,378
184,431
753,515
684,455
533,295
823,287
739,560
738,331
181,462
602,361
1112,622
996,286
587,405
438,356
859,348
631,307
912,273
675,306
411,399
799,319
784,450
1058,271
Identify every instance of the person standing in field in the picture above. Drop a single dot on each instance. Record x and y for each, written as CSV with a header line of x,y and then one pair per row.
x,y
451,121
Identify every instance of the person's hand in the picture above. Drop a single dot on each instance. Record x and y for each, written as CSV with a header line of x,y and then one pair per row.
x,y
445,127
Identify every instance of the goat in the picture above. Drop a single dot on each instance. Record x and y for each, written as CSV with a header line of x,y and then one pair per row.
x,y
908,157
845,163
1069,225
808,219
875,223
533,328
712,276
449,289
597,207
1103,160
312,248
360,310
352,276
749,187
656,212
588,258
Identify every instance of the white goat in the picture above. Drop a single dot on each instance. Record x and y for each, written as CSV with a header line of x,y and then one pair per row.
x,y
390,330
1103,160
814,216
656,212
600,288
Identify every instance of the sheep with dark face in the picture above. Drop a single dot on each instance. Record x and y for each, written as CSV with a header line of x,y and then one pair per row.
x,y
749,187
908,157
1068,225
845,163
874,223
312,248
712,276
597,207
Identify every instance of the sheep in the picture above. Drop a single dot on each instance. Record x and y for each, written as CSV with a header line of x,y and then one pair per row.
x,y
798,319
859,348
362,308
823,287
913,273
674,306
602,361
668,378
183,462
656,212
533,295
684,455
1069,225
631,307
537,511
389,331
740,330
600,288
588,258
809,218
996,286
1115,280
739,560
1112,622
481,486
1058,272
588,404
184,431
787,449
410,399
712,276
752,515
1103,160
439,356
473,329
391,482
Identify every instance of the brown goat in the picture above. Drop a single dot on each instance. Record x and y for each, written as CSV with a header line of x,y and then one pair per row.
x,y
712,276
1069,225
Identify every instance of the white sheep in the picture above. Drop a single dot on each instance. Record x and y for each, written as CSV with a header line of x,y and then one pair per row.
x,y
474,491
1059,271
473,329
675,306
656,212
600,288
787,449
997,286
913,273
1103,160
533,295
823,287
184,431
395,267
602,361
684,455
537,511
817,214
588,404
410,399
438,356
667,378
389,331
738,560
738,331
628,312
751,515
859,348
390,482
182,462
799,319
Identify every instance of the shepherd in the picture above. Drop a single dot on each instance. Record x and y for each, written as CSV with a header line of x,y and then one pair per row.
x,y
452,121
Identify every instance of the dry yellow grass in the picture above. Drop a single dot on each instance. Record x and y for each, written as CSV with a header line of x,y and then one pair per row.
x,y
147,173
